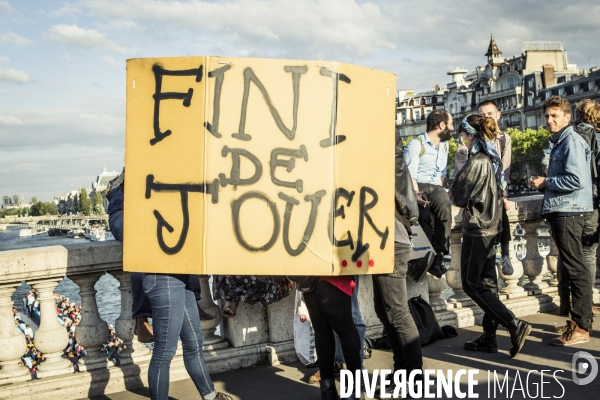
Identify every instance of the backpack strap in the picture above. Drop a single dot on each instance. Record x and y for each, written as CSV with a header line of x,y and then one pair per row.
x,y
422,146
502,141
445,144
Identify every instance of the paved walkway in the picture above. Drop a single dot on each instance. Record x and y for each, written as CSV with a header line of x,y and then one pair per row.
x,y
287,382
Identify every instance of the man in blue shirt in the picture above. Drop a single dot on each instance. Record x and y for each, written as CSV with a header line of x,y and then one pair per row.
x,y
427,157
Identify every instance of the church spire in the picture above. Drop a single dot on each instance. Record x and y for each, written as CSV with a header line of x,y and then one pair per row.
x,y
493,49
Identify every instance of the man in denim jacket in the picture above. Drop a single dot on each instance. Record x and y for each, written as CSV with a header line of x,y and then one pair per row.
x,y
567,200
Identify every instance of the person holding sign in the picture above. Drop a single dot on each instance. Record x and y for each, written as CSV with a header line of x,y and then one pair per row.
x,y
477,189
426,157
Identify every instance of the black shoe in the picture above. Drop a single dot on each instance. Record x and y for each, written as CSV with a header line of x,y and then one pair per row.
x,y
437,269
328,389
518,330
507,268
312,365
418,267
486,343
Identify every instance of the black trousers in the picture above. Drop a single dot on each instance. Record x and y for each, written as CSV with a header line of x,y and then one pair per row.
x,y
330,310
505,236
567,233
391,306
479,280
436,218
589,242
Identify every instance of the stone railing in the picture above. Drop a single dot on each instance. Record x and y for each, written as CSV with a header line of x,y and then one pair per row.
x,y
255,335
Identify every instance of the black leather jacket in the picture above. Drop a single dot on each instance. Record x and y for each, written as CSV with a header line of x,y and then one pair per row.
x,y
475,190
407,209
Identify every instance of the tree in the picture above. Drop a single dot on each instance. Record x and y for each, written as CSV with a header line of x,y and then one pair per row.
x,y
35,208
48,208
84,204
527,151
98,204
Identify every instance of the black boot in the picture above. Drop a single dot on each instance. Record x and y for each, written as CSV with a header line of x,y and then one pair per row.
x,y
437,269
486,343
418,267
518,330
328,389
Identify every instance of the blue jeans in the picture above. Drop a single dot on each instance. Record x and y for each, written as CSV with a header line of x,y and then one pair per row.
x,y
361,327
140,306
174,316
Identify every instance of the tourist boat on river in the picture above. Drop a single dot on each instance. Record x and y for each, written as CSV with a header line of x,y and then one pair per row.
x,y
29,232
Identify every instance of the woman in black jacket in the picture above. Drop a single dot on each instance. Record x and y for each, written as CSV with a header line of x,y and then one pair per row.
x,y
477,189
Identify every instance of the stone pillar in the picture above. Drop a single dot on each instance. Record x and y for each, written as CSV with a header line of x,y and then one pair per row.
x,y
436,286
92,331
50,338
453,276
533,263
125,324
511,288
209,326
12,342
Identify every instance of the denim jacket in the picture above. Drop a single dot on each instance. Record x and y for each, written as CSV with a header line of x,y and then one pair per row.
x,y
569,181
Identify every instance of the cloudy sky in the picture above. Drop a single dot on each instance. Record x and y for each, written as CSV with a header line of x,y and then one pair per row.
x,y
62,63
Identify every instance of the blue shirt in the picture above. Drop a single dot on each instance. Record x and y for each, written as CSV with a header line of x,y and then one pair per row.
x,y
116,203
431,166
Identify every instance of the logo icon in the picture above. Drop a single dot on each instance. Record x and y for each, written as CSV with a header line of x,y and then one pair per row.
x,y
584,363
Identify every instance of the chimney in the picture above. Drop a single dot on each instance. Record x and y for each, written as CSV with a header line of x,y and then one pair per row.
x,y
548,71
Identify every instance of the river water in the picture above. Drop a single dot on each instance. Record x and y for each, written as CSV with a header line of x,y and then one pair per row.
x,y
108,296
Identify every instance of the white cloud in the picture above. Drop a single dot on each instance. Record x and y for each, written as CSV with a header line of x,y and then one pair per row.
x,y
10,120
111,62
75,36
360,29
14,76
4,59
5,5
14,39
67,57
67,10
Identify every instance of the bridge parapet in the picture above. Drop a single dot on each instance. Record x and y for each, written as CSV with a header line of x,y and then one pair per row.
x,y
254,334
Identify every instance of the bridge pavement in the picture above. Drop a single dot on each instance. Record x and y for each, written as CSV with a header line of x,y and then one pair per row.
x,y
288,381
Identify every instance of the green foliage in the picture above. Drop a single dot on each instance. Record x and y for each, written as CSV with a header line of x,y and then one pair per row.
x,y
527,151
452,147
529,142
43,208
98,204
14,211
84,205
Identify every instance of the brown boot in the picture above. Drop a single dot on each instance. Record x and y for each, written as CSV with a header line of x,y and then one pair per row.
x,y
143,330
561,329
573,335
204,316
315,378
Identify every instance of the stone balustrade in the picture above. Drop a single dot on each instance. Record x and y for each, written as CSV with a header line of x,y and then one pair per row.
x,y
254,336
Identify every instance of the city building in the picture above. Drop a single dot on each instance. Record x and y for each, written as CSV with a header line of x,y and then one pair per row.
x,y
413,108
14,202
503,81
101,184
540,86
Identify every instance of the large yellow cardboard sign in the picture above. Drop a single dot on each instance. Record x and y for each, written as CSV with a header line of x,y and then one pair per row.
x,y
257,166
